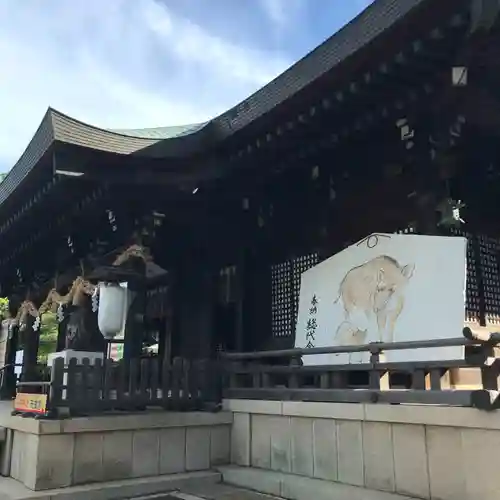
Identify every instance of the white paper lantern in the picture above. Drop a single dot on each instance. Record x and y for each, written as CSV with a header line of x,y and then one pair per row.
x,y
112,309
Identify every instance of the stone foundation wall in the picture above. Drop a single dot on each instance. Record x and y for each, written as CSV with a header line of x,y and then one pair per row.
x,y
438,453
58,454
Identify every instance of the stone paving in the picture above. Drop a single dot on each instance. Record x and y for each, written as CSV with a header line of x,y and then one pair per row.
x,y
13,490
224,492
213,492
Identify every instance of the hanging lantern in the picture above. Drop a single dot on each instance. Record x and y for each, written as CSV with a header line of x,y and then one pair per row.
x,y
450,213
112,309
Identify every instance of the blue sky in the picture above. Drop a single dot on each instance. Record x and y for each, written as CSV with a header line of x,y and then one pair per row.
x,y
147,63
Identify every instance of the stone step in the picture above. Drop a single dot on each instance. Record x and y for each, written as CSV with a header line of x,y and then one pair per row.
x,y
299,487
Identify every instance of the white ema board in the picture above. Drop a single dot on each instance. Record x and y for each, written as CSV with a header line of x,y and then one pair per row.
x,y
385,288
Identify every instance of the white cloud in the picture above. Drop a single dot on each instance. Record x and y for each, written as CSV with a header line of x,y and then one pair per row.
x,y
282,12
116,64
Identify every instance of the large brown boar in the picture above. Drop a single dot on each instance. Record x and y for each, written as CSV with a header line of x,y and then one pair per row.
x,y
376,288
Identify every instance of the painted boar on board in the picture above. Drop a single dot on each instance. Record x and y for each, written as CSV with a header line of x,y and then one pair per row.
x,y
375,289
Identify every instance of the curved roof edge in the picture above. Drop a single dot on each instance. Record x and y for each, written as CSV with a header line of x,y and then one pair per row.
x,y
56,126
374,20
36,148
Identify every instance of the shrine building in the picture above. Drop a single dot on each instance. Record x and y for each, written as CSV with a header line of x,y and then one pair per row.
x,y
172,255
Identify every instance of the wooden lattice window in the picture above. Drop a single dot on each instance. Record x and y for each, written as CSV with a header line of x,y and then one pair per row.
x,y
285,292
281,301
488,260
472,294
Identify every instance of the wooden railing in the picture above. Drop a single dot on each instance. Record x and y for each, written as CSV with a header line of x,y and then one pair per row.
x,y
86,389
249,376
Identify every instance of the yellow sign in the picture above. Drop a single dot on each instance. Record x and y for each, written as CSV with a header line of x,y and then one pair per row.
x,y
31,403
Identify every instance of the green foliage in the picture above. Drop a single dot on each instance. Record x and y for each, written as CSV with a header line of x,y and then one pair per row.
x,y
48,331
4,307
48,336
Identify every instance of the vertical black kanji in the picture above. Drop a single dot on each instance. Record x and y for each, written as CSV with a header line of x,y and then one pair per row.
x,y
312,323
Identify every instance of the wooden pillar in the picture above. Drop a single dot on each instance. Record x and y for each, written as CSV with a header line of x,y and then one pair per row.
x,y
61,331
30,341
165,339
240,293
134,328
194,301
8,380
257,304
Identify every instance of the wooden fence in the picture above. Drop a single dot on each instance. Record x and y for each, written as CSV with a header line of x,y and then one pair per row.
x,y
85,389
250,377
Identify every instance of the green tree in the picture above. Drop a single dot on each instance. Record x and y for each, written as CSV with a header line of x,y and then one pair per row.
x,y
48,336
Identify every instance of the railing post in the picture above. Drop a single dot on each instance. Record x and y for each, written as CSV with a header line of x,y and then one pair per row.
x,y
218,380
490,375
233,375
109,385
438,379
56,384
166,384
378,381
144,383
265,377
177,372
95,385
185,385
418,380
155,375
293,378
73,385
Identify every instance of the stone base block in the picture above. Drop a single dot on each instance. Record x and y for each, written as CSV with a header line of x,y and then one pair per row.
x,y
100,449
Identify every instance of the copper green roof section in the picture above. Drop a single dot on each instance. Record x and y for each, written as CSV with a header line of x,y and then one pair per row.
x,y
161,132
71,131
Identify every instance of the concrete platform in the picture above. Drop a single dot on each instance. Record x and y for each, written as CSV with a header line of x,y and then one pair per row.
x,y
148,488
52,454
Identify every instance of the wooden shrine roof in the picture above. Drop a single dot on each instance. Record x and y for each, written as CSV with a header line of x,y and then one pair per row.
x,y
357,35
